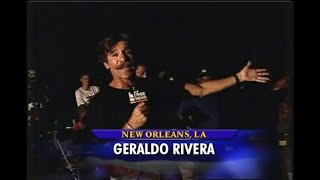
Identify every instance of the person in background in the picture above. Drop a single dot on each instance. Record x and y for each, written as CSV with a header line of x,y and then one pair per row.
x,y
79,121
84,93
198,113
141,71
201,112
284,125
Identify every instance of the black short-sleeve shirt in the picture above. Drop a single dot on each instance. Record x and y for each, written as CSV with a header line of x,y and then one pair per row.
x,y
111,107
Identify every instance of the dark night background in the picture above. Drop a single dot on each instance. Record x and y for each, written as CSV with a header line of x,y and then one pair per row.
x,y
62,39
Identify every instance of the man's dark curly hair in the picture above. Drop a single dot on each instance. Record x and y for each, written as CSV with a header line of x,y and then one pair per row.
x,y
106,44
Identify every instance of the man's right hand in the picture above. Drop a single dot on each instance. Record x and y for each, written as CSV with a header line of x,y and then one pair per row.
x,y
139,116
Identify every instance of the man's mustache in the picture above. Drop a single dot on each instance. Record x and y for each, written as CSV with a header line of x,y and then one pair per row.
x,y
125,65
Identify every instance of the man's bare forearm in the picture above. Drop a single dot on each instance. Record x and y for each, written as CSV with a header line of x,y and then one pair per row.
x,y
212,86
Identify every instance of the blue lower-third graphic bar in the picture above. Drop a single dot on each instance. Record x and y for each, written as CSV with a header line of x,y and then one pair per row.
x,y
164,134
246,144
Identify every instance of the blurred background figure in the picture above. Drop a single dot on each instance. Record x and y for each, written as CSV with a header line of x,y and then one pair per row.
x,y
86,91
201,112
77,132
284,112
38,129
198,113
37,102
284,126
79,121
141,71
282,83
37,97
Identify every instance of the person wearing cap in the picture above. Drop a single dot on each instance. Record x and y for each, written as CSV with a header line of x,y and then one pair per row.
x,y
201,112
198,113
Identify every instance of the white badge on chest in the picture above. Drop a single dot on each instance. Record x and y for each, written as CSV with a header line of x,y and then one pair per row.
x,y
136,96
